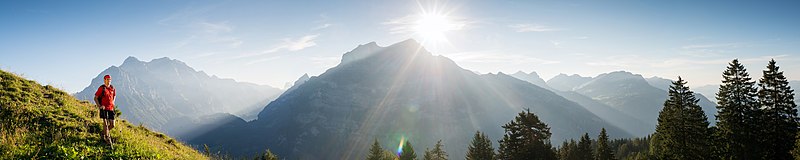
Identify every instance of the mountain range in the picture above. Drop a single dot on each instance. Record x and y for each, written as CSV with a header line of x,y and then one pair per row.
x,y
625,99
394,92
614,116
400,91
164,90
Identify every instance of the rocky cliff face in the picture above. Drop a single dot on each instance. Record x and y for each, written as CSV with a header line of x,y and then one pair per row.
x,y
157,92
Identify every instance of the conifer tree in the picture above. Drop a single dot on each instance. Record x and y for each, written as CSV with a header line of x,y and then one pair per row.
x,y
569,150
526,137
389,155
682,130
603,151
375,152
480,148
585,147
796,151
737,109
407,152
268,155
776,99
437,153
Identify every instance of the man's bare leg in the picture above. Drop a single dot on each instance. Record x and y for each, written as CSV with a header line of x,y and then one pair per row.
x,y
107,134
110,129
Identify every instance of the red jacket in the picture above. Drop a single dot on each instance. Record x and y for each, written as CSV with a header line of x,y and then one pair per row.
x,y
107,95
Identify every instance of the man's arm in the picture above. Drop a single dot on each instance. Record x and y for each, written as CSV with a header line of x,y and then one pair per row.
x,y
97,101
97,96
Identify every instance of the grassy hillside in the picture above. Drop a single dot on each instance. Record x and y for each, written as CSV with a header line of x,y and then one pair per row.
x,y
42,122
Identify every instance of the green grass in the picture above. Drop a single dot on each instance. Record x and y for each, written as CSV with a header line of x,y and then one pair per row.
x,y
42,122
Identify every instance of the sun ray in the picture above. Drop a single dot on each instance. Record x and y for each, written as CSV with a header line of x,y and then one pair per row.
x,y
433,23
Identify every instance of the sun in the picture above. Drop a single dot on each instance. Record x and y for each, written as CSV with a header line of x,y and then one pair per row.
x,y
433,27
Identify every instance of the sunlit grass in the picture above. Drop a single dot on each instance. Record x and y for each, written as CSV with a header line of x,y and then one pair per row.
x,y
42,122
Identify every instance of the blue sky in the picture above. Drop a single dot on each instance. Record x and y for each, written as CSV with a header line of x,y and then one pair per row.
x,y
66,43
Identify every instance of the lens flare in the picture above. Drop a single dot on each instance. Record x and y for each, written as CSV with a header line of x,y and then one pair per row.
x,y
400,148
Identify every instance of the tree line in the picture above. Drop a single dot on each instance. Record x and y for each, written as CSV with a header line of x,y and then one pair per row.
x,y
755,120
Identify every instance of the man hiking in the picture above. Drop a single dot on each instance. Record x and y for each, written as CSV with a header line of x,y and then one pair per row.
x,y
104,98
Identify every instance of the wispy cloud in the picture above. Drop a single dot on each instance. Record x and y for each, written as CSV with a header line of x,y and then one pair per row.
x,y
215,32
295,44
322,26
287,44
323,21
527,27
199,30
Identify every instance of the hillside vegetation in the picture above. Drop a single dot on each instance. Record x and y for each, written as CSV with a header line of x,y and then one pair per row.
x,y
42,122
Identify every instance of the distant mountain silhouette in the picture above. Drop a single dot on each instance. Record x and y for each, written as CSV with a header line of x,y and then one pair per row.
x,y
618,118
398,91
660,83
710,91
533,78
633,95
565,82
157,92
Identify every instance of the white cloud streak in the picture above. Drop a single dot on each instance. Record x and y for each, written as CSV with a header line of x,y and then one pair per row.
x,y
322,26
296,44
287,44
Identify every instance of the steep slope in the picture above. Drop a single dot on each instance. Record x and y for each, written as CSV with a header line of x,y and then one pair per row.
x,y
565,82
615,117
633,95
41,122
398,91
156,92
297,82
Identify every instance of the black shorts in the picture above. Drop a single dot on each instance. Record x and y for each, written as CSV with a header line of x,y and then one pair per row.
x,y
106,114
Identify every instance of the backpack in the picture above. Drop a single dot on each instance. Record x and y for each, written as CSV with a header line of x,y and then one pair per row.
x,y
104,92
